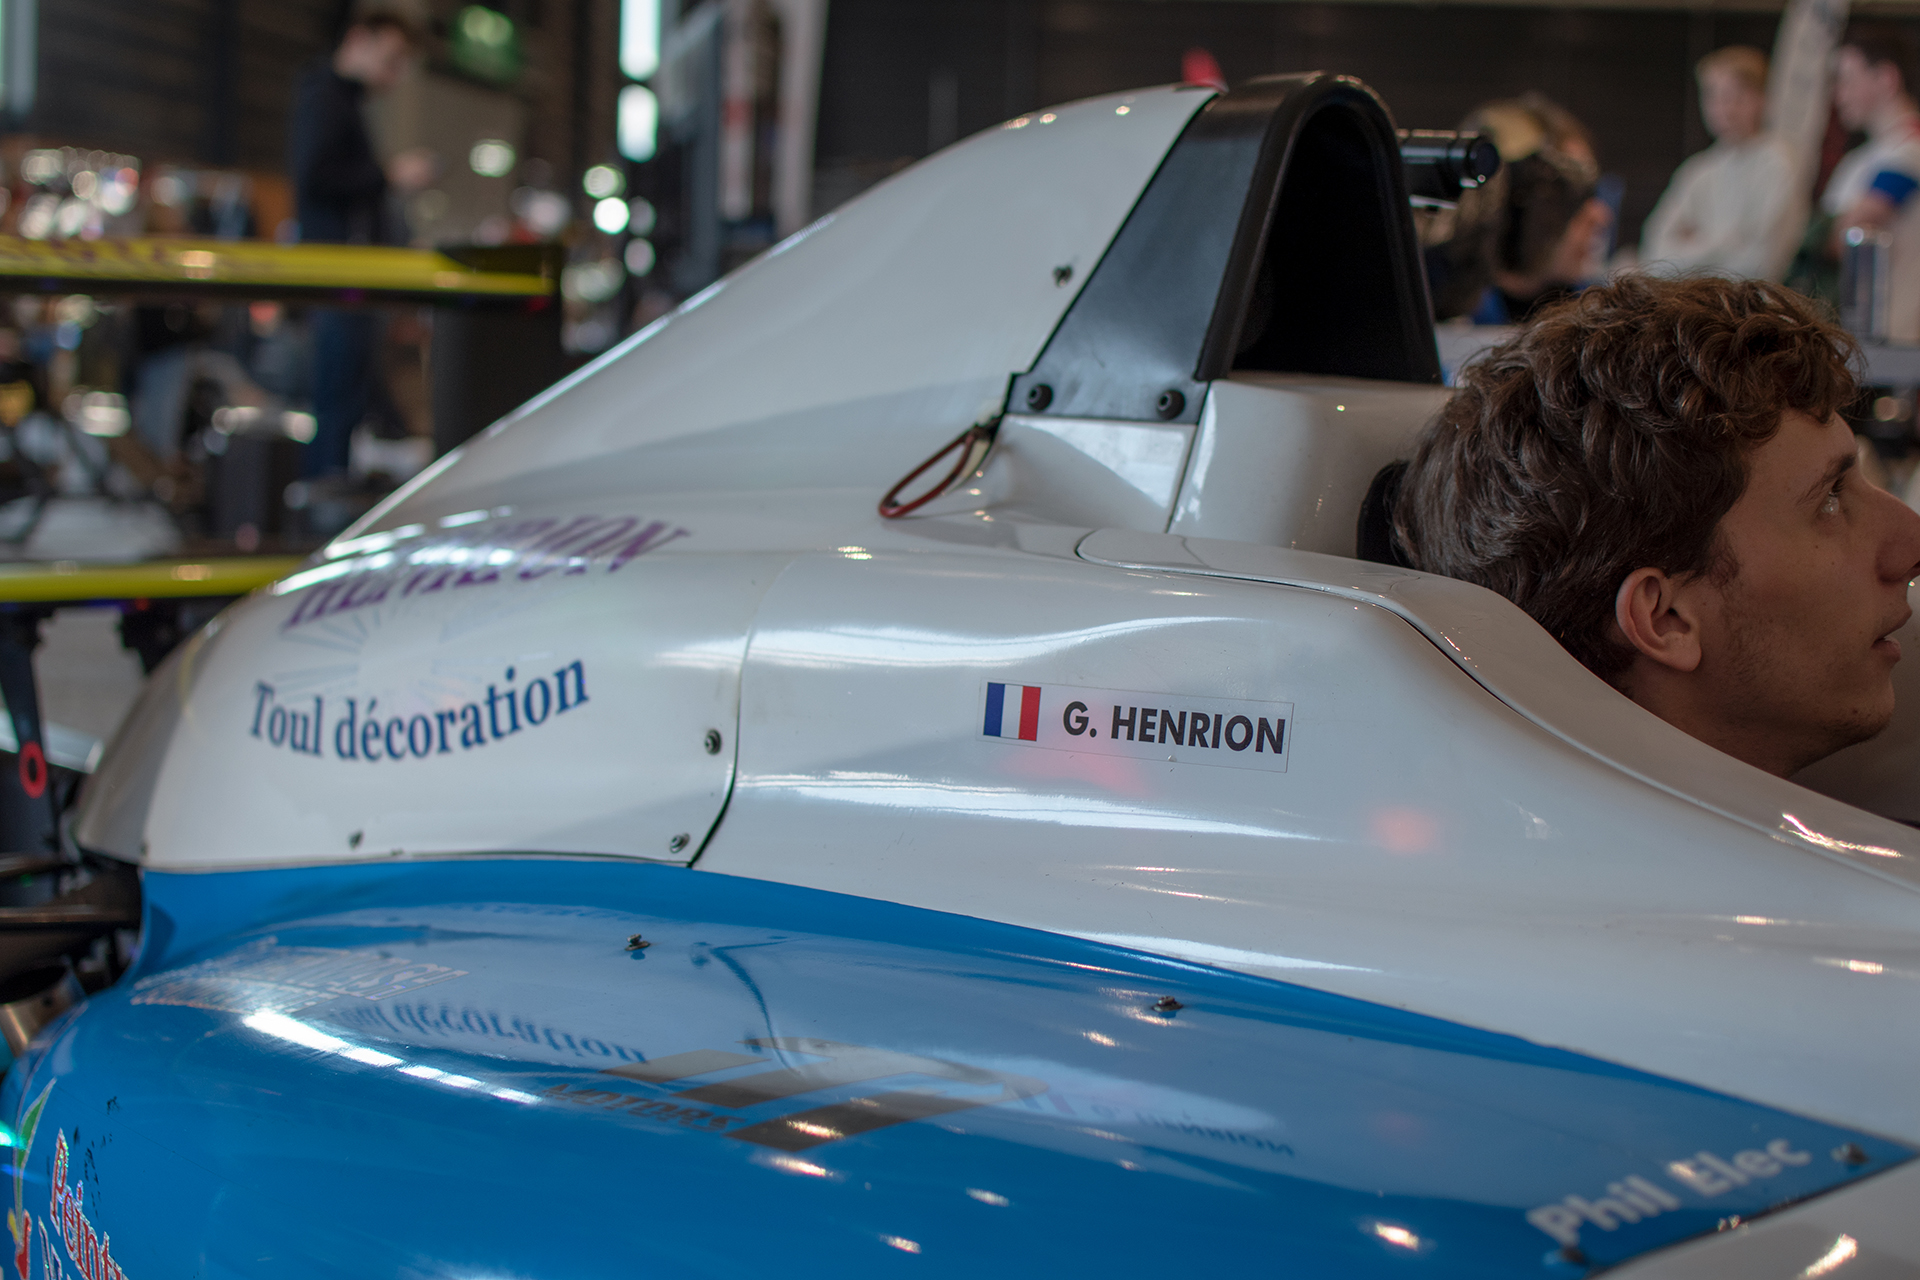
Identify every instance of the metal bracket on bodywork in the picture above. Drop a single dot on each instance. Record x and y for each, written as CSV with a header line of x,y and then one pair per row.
x,y
972,446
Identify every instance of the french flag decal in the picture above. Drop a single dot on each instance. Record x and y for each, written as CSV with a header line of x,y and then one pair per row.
x,y
1013,711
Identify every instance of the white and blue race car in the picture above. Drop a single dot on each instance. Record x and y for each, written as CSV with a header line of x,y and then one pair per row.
x,y
630,851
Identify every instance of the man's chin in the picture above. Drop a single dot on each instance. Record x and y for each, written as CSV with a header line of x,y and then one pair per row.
x,y
1867,724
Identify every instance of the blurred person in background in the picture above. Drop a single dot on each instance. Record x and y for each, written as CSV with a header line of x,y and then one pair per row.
x,y
341,192
1873,187
1533,234
1731,209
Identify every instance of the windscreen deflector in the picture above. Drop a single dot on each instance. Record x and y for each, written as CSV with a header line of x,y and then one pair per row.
x,y
1276,236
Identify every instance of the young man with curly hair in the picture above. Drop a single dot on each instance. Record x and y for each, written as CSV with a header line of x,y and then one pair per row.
x,y
1656,471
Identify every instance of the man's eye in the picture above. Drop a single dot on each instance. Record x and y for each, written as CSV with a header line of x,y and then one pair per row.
x,y
1830,504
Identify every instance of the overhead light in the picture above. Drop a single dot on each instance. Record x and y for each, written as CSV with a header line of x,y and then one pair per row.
x,y
42,166
491,158
639,122
98,413
639,257
485,26
485,44
603,180
639,38
642,218
592,281
610,215
545,213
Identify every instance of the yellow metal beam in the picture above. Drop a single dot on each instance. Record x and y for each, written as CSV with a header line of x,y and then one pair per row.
x,y
70,582
255,266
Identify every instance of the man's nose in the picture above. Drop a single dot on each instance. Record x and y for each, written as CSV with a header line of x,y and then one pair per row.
x,y
1900,547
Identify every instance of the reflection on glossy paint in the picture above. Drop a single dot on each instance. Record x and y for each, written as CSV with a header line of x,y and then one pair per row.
x,y
895,647
309,577
1851,966
1396,1235
1844,1250
989,1197
826,1133
793,1164
1403,830
897,791
901,1243
1207,953
1203,897
281,1027
1811,836
374,541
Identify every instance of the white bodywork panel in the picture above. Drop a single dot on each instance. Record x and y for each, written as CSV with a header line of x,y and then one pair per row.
x,y
1283,460
1429,846
410,650
851,350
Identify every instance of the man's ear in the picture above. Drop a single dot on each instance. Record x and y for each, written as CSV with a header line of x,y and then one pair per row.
x,y
1658,619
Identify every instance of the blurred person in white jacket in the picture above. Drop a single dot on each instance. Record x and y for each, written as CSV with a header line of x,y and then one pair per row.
x,y
1732,209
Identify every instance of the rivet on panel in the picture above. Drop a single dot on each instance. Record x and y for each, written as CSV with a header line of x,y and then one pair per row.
x,y
678,843
1039,396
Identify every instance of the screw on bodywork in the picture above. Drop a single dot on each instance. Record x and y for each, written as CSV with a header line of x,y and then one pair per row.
x,y
678,843
1039,396
1850,1153
1167,1004
1062,274
353,841
713,742
1170,404
637,943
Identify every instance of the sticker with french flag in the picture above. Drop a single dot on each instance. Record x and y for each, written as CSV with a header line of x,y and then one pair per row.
x,y
1013,711
1165,728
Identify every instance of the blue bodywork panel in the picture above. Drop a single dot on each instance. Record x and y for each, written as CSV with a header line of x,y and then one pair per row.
x,y
459,1069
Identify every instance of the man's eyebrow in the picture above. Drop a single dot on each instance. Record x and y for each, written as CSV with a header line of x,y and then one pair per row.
x,y
1834,471
1839,467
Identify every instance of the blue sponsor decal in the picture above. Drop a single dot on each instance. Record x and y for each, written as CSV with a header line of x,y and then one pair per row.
x,y
357,731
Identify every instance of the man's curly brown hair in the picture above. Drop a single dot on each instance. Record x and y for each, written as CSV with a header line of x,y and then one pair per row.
x,y
1612,434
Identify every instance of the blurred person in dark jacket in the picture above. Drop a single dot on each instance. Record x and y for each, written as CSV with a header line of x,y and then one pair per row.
x,y
1527,237
342,196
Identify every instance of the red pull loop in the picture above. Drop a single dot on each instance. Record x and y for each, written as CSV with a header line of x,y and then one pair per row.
x,y
972,443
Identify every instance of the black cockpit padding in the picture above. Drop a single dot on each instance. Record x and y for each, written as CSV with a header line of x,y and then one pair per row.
x,y
1374,540
1276,236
